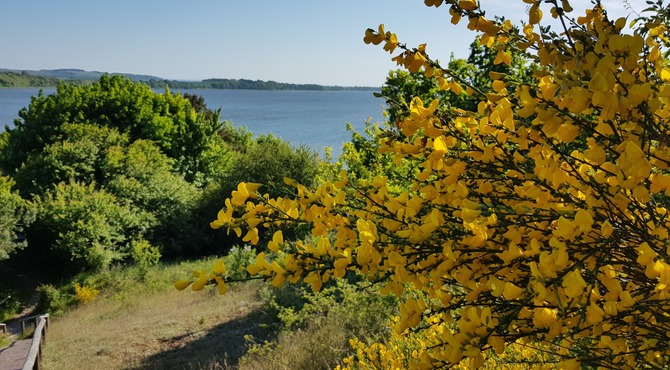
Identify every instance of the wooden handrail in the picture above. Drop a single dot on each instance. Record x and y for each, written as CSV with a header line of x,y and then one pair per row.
x,y
35,320
35,353
6,299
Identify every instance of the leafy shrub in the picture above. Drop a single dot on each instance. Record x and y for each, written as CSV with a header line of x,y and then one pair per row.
x,y
356,307
82,228
84,294
269,160
144,254
9,307
15,213
52,300
184,134
317,326
237,261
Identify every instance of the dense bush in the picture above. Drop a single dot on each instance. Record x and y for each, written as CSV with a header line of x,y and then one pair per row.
x,y
133,109
15,214
268,160
79,227
135,176
78,153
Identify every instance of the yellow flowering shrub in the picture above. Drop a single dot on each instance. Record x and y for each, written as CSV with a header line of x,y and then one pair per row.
x,y
536,224
84,294
404,351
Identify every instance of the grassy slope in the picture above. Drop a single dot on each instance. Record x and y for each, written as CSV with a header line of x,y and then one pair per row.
x,y
141,321
13,79
150,325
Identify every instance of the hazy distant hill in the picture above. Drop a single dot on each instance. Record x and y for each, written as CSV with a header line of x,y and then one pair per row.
x,y
14,79
50,77
75,74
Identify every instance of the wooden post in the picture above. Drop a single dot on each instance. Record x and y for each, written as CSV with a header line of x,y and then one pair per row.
x,y
3,328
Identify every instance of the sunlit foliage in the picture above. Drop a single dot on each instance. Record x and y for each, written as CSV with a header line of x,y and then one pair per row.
x,y
184,133
538,219
15,214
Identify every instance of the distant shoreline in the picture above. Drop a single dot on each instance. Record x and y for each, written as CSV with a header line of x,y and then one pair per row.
x,y
51,78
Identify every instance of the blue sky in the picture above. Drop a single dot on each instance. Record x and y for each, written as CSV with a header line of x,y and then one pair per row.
x,y
294,41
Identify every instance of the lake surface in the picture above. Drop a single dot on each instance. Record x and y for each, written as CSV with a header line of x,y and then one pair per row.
x,y
12,100
314,118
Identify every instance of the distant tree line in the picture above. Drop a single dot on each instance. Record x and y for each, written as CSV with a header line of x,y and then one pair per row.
x,y
243,84
15,79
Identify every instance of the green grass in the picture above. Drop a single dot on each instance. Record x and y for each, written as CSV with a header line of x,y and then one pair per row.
x,y
4,340
141,321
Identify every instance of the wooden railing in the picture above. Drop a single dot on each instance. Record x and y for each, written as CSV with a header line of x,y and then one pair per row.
x,y
41,323
3,327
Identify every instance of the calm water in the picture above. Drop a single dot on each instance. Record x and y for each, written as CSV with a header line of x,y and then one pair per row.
x,y
12,100
314,118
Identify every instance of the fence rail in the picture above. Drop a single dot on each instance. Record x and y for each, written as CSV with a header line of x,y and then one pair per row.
x,y
35,353
6,299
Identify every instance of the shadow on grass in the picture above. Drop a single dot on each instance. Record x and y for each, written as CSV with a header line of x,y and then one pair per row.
x,y
219,348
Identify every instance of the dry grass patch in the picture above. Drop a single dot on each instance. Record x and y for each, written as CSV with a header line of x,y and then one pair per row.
x,y
170,330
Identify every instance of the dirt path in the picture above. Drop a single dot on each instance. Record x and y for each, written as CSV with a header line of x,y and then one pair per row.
x,y
28,309
26,284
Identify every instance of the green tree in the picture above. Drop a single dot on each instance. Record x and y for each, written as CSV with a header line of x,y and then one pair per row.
x,y
81,228
135,176
15,215
80,152
184,134
148,153
198,103
141,178
269,160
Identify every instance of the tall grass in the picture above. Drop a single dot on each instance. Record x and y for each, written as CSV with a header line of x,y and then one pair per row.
x,y
139,321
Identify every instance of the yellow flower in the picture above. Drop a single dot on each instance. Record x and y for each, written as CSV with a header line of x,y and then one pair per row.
x,y
276,242
511,291
198,285
221,286
502,57
594,314
181,284
544,317
243,192
252,236
219,267
467,4
391,43
573,284
534,14
259,265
